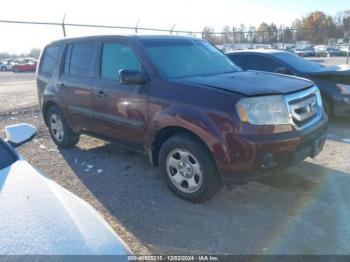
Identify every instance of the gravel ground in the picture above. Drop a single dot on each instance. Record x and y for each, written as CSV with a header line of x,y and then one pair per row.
x,y
17,91
302,210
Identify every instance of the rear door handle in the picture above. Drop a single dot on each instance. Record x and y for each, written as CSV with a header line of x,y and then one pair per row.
x,y
101,93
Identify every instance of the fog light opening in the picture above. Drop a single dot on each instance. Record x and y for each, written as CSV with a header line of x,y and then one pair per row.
x,y
268,161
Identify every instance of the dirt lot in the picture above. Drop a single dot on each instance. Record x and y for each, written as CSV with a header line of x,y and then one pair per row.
x,y
17,91
328,60
303,210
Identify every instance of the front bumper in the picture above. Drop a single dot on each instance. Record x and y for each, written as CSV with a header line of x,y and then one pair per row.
x,y
262,154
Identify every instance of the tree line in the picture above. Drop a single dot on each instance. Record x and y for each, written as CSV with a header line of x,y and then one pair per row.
x,y
34,52
315,27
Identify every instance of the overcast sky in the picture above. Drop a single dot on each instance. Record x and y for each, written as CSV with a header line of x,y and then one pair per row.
x,y
186,14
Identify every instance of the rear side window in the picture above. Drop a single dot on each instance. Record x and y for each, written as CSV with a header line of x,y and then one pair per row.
x,y
236,59
261,63
79,59
116,57
49,59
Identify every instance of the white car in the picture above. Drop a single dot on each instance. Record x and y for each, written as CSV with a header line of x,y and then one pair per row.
x,y
39,217
4,66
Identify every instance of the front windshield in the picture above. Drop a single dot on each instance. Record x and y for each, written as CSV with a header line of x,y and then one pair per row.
x,y
177,58
297,62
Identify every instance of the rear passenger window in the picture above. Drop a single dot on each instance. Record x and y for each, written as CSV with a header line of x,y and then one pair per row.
x,y
116,57
49,59
261,63
79,59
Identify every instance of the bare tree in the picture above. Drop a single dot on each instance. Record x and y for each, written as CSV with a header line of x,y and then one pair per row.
x,y
209,35
34,52
226,35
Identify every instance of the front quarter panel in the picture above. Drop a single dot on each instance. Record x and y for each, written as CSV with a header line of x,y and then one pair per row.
x,y
207,112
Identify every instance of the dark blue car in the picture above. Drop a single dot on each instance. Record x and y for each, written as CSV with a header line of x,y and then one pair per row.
x,y
333,81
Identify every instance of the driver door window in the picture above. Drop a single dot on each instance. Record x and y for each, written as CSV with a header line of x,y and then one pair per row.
x,y
119,109
116,57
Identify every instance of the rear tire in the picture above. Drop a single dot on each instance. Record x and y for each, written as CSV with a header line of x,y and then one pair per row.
x,y
60,132
188,169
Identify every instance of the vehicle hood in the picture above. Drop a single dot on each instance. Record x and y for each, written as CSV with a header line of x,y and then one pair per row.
x,y
333,70
39,217
252,83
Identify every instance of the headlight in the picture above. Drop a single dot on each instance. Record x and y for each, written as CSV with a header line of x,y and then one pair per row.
x,y
344,89
263,110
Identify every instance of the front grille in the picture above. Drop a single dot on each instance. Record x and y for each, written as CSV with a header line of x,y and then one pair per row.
x,y
302,110
305,107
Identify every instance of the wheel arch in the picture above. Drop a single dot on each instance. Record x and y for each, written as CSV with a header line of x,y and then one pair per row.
x,y
328,98
50,102
166,133
45,108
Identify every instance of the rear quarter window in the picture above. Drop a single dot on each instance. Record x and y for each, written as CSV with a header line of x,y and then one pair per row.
x,y
49,59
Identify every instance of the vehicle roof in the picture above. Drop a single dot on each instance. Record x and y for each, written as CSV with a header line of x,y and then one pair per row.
x,y
258,51
109,37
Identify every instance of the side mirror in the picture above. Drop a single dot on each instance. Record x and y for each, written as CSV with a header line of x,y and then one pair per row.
x,y
19,134
131,77
280,70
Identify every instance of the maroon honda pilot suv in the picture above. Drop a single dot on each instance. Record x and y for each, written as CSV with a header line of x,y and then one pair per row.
x,y
181,102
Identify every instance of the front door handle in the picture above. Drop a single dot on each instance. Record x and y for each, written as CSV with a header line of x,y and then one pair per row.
x,y
101,93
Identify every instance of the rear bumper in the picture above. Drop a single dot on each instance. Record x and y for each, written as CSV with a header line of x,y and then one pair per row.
x,y
263,154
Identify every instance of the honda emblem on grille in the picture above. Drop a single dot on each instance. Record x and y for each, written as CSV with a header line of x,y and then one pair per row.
x,y
304,109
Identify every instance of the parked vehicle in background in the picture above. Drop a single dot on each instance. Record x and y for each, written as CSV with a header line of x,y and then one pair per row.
x,y
24,67
183,103
333,81
343,49
4,66
39,217
327,51
305,51
289,49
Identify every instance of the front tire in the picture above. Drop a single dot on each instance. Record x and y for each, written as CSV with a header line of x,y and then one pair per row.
x,y
188,169
60,132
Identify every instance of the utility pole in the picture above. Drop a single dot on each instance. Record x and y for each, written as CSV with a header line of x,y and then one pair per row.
x,y
172,29
284,35
137,25
347,55
251,38
63,26
233,37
